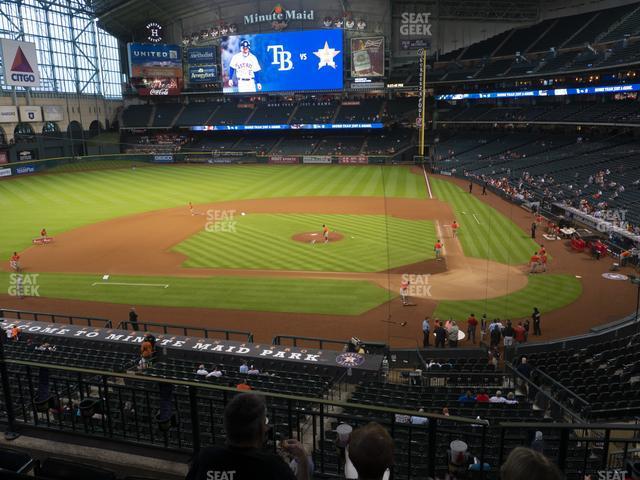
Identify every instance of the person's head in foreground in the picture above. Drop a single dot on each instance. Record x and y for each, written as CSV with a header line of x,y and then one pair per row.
x,y
526,464
371,451
245,420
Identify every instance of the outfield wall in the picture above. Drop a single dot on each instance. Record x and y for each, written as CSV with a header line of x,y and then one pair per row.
x,y
118,160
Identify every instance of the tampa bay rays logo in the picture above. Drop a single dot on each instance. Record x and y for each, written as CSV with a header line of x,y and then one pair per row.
x,y
281,57
350,359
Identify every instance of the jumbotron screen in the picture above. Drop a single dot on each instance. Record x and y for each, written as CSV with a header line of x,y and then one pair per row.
x,y
276,62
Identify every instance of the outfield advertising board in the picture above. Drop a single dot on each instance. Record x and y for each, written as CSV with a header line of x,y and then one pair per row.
x,y
8,114
30,114
293,61
24,169
5,172
283,160
53,113
163,159
4,157
316,159
354,159
20,63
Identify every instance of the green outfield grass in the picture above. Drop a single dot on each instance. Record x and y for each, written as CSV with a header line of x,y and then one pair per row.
x,y
371,243
339,297
489,234
546,292
64,201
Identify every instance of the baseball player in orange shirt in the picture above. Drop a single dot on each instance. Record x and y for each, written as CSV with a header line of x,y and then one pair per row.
x,y
438,249
534,262
14,262
43,233
191,209
454,228
325,233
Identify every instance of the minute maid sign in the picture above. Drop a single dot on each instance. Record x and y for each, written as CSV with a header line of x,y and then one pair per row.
x,y
20,63
279,16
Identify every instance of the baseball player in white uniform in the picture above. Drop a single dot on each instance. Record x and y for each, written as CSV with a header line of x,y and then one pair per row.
x,y
245,65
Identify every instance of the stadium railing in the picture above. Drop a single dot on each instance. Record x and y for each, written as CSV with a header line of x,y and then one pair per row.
x,y
55,318
320,343
186,330
195,406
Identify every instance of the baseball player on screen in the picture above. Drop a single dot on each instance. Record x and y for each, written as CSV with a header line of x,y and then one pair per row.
x,y
245,66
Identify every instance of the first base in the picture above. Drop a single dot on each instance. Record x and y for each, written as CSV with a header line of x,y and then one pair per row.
x,y
105,277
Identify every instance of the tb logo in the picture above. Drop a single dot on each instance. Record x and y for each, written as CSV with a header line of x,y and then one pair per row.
x,y
281,57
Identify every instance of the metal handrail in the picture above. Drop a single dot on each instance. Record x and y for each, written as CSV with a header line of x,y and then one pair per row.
x,y
557,384
282,396
105,322
553,400
321,341
125,324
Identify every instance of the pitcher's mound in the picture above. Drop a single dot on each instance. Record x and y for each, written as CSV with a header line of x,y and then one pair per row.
x,y
317,236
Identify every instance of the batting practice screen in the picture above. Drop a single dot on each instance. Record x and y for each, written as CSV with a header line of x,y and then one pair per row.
x,y
271,62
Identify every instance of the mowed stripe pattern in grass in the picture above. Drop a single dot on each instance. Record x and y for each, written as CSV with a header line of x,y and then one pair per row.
x,y
370,243
64,201
336,297
489,234
546,292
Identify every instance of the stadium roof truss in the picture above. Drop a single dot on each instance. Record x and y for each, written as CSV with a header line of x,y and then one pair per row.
x,y
74,55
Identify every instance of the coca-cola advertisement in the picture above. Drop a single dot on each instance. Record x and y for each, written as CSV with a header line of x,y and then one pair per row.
x,y
354,159
283,160
157,86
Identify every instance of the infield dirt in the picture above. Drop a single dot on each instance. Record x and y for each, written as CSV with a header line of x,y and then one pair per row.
x,y
141,245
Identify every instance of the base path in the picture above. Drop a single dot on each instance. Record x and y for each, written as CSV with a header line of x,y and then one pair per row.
x,y
141,245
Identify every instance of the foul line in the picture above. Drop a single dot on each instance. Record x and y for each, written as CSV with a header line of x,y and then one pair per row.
x,y
426,179
163,285
474,216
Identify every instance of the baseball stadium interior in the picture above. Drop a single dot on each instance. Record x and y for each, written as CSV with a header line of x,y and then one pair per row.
x,y
252,239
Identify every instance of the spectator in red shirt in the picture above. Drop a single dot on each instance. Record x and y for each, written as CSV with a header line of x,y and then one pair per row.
x,y
482,397
472,326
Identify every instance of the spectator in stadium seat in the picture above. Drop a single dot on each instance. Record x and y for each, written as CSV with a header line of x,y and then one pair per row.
x,y
146,352
538,443
202,371
371,451
526,464
466,397
524,368
416,420
244,368
482,397
243,386
216,372
246,426
497,398
511,399
253,371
